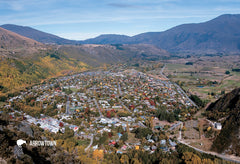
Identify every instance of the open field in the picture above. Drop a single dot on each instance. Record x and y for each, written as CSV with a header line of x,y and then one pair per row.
x,y
197,135
207,76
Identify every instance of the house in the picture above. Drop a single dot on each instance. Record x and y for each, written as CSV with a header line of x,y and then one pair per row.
x,y
124,147
146,148
218,126
163,142
150,140
153,148
95,147
119,135
113,143
172,144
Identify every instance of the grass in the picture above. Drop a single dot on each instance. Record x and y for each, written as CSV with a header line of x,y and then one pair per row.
x,y
230,83
235,73
74,89
178,67
131,138
83,142
178,72
2,104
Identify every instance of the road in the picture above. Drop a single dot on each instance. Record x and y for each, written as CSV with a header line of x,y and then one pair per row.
x,y
180,91
125,107
184,94
180,132
161,72
67,106
225,157
58,47
119,89
91,142
120,94
175,125
141,124
101,115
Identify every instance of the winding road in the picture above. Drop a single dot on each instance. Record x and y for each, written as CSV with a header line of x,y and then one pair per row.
x,y
91,142
101,115
225,157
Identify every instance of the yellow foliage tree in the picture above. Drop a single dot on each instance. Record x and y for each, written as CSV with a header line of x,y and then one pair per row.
x,y
135,161
184,128
83,157
124,159
68,145
190,158
59,142
207,161
209,128
98,154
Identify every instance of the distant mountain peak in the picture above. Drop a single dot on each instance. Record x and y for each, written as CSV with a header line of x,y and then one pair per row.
x,y
219,35
37,35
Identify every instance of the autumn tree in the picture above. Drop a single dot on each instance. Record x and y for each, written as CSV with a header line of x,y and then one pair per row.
x,y
207,161
189,158
124,159
98,154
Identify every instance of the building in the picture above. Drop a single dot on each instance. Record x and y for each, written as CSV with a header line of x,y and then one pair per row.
x,y
218,126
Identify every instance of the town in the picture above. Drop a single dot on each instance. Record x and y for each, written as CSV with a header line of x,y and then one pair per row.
x,y
115,102
109,111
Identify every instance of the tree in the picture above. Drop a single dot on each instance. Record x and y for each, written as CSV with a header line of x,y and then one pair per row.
x,y
109,114
227,72
189,158
98,154
103,138
124,137
171,117
189,63
69,133
142,132
197,100
163,114
207,161
69,145
124,159
135,161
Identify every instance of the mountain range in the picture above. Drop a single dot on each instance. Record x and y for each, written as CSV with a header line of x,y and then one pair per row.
x,y
24,61
220,35
37,35
26,58
28,55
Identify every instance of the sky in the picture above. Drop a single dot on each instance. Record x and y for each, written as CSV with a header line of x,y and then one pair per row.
x,y
83,19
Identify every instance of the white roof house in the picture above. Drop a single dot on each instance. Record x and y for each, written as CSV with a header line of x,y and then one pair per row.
x,y
218,126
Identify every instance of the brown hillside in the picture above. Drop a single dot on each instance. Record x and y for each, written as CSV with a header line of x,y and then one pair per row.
x,y
13,45
11,40
227,110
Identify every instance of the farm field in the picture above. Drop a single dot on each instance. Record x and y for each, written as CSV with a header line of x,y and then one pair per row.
x,y
205,76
